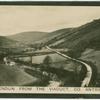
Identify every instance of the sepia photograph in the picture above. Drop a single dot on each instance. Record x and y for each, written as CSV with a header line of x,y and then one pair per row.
x,y
50,46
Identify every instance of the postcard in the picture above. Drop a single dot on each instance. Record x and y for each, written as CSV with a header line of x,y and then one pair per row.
x,y
49,49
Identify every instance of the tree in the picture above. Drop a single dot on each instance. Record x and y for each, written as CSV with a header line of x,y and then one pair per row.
x,y
47,61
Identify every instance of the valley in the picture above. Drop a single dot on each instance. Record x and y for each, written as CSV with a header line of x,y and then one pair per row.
x,y
32,58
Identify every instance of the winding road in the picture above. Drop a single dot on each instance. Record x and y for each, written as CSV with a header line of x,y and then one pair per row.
x,y
87,79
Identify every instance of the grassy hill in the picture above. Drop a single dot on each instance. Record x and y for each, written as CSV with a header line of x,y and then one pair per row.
x,y
6,42
84,36
33,37
52,35
28,37
13,76
10,46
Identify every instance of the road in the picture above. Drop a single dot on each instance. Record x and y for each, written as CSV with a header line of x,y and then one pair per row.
x,y
87,79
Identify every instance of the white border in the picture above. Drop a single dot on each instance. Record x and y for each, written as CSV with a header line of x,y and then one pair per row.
x,y
49,90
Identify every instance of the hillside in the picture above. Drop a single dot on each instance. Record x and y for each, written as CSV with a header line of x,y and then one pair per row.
x,y
13,76
78,39
33,37
10,46
28,37
83,42
5,42
52,35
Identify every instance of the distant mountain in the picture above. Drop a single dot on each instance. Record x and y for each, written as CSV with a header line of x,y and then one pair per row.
x,y
52,35
28,37
32,37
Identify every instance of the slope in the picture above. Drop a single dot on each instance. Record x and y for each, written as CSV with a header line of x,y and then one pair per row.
x,y
28,37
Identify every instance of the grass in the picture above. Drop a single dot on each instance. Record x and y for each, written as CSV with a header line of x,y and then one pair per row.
x,y
12,76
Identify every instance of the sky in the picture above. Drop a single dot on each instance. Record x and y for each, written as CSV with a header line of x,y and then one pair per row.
x,y
16,19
